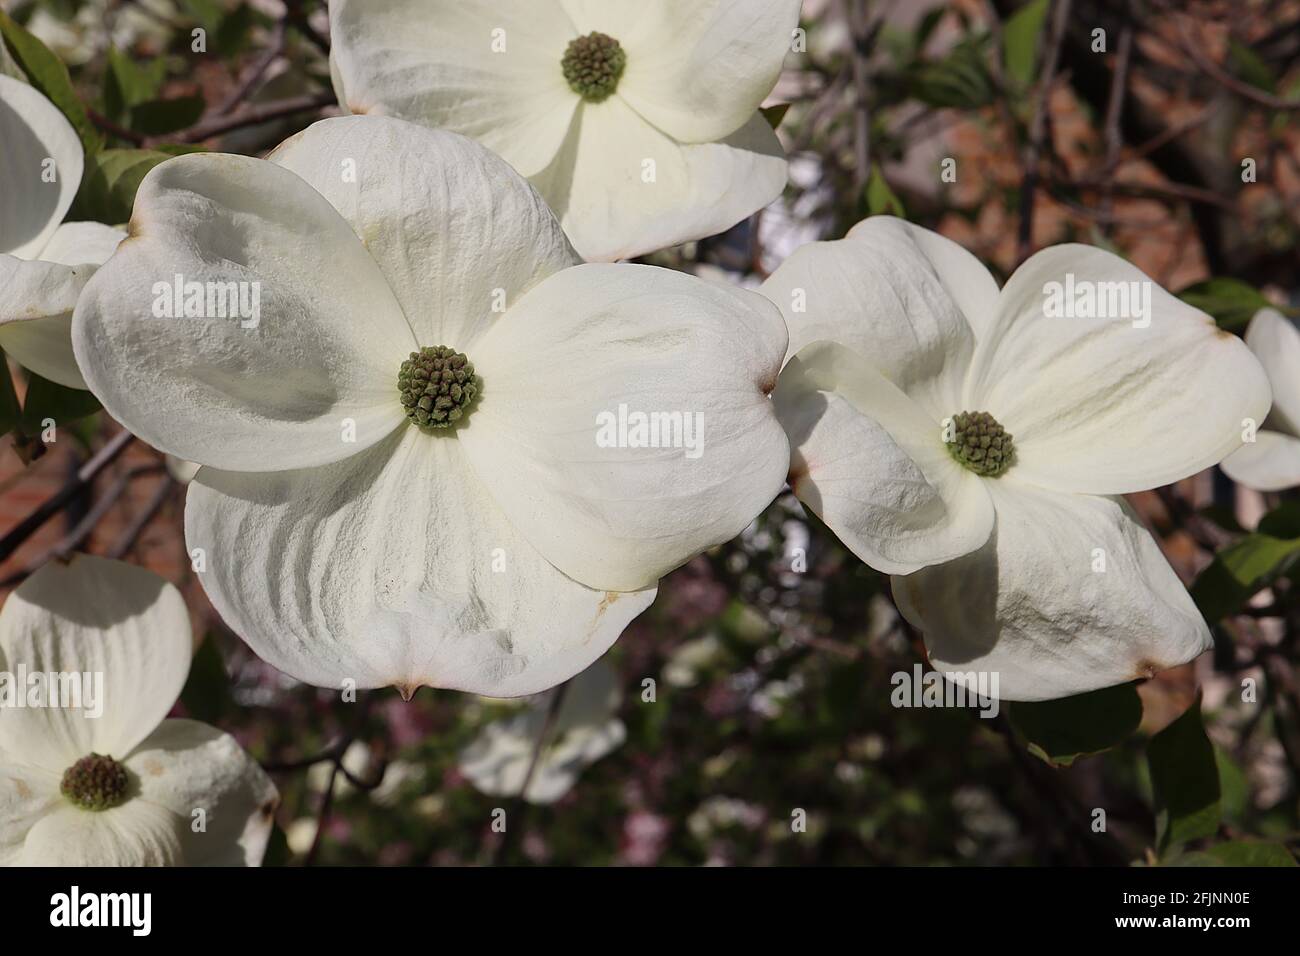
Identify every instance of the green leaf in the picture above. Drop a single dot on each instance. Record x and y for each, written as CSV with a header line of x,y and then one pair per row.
x,y
207,690
1021,39
961,79
1233,789
277,848
880,198
1231,302
774,114
48,401
1246,64
1252,853
208,13
10,411
112,178
1240,570
159,117
46,73
1282,522
127,83
1185,779
1061,731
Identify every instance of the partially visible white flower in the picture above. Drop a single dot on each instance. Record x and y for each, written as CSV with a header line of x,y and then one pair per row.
x,y
637,121
974,446
1272,461
718,813
683,667
43,265
99,24
127,787
584,730
498,548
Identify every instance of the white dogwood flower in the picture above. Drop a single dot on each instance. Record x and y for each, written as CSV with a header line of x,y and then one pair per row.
x,y
638,122
584,729
91,771
43,265
1271,461
972,443
404,475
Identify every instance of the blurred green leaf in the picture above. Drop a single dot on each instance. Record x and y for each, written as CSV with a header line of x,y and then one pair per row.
x,y
1240,570
961,79
774,114
159,117
1021,39
1252,853
1246,64
48,401
207,690
1282,522
277,848
46,73
1234,791
235,31
208,13
1230,302
112,178
1061,731
1185,780
881,200
1223,516
127,82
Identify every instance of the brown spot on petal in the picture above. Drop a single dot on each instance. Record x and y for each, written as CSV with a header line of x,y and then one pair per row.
x,y
407,690
1146,670
24,791
153,768
605,602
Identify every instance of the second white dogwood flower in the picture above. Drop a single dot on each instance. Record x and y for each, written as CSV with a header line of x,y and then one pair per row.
x,y
44,262
638,122
402,482
91,771
1271,462
972,442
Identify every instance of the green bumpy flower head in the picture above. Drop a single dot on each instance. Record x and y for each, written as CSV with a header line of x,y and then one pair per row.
x,y
437,385
96,783
980,444
593,65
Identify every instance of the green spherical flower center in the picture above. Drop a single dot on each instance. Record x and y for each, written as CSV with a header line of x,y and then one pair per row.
x,y
95,782
593,66
979,443
437,385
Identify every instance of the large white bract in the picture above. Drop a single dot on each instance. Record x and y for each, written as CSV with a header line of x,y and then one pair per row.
x,y
1041,573
192,796
43,265
343,542
1271,461
677,151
